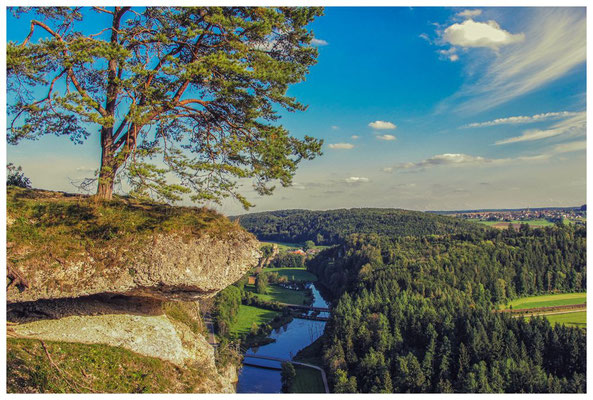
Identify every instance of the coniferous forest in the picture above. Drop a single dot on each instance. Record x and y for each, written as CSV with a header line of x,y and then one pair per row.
x,y
417,313
333,226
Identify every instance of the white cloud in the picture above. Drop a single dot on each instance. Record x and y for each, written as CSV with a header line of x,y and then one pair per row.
x,y
555,43
450,54
570,147
318,42
382,125
335,127
355,137
575,125
445,159
480,34
356,179
387,169
386,137
425,37
344,146
522,119
469,13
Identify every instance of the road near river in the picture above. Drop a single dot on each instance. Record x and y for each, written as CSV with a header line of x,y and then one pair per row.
x,y
290,339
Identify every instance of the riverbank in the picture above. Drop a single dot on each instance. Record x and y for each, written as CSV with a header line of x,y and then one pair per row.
x,y
284,343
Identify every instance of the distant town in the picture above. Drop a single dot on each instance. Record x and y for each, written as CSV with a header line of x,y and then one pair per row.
x,y
552,215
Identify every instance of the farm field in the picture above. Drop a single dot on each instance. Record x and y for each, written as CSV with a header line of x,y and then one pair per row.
x,y
280,294
294,274
249,315
571,319
505,224
551,300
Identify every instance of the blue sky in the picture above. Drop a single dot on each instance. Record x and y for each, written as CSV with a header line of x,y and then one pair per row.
x,y
419,108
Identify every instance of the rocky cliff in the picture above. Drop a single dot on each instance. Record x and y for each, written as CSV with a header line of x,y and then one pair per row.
x,y
125,275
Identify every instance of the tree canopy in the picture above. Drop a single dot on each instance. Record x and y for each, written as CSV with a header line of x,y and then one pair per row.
x,y
185,99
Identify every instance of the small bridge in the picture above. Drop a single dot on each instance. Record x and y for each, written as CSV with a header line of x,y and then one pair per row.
x,y
281,360
302,307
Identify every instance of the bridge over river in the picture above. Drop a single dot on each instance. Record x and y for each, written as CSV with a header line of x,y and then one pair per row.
x,y
281,360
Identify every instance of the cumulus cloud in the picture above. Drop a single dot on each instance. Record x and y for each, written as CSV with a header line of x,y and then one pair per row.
x,y
382,125
575,125
555,43
469,13
466,160
489,34
386,137
522,119
450,54
318,42
387,169
335,127
344,146
355,137
356,179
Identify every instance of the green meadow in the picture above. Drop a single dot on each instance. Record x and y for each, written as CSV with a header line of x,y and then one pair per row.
x,y
249,315
548,300
294,274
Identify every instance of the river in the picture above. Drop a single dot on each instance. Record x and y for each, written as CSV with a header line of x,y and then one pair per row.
x,y
290,338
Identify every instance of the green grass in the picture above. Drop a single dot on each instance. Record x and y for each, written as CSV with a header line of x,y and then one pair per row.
x,y
548,300
279,294
307,380
312,353
87,368
248,315
570,319
46,226
294,274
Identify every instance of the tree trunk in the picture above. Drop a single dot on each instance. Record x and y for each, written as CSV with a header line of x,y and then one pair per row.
x,y
108,167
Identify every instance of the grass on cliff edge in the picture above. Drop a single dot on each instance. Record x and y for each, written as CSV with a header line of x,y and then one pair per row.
x,y
87,368
56,225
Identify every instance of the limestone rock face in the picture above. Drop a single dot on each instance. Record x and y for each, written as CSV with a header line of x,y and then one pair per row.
x,y
136,324
167,267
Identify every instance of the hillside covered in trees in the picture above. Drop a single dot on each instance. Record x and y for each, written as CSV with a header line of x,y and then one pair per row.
x,y
415,314
333,226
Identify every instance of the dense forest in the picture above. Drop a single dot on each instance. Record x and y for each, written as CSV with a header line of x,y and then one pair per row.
x,y
415,314
333,226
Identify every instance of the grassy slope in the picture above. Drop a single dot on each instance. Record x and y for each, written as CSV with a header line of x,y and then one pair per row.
x,y
307,380
571,319
548,300
299,274
248,315
85,368
279,294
